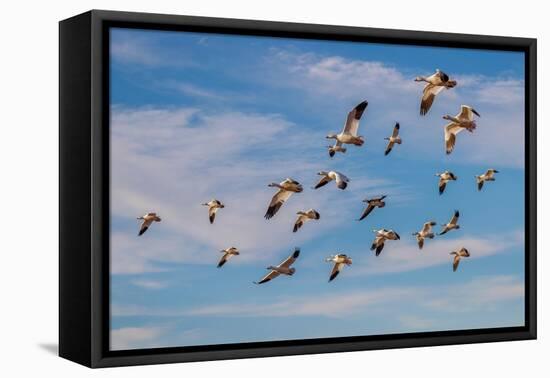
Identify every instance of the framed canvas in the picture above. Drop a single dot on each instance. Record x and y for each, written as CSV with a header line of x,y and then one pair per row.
x,y
386,179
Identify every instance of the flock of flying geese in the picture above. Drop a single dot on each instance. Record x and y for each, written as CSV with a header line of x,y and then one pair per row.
x,y
349,135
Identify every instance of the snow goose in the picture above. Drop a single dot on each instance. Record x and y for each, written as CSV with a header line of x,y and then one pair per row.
x,y
452,225
426,232
282,268
340,260
340,179
286,188
381,237
463,252
444,178
372,203
349,133
435,84
213,207
394,138
462,121
487,176
227,254
304,216
148,219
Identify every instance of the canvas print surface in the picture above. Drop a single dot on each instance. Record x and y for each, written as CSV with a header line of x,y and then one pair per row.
x,y
267,189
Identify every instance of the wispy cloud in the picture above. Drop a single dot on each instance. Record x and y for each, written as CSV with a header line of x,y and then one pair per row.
x,y
135,337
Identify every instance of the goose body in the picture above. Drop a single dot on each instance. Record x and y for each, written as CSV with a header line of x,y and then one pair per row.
x,y
213,207
434,85
340,260
371,204
458,255
283,268
444,178
487,176
148,220
381,236
462,121
227,254
349,133
340,179
452,225
424,233
304,216
286,189
393,139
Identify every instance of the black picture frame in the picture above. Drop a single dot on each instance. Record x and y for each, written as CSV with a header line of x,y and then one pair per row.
x,y
84,188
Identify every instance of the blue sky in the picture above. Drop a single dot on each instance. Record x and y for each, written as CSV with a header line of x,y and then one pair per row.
x,y
201,116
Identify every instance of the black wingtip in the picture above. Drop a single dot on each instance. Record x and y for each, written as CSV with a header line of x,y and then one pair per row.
x,y
296,253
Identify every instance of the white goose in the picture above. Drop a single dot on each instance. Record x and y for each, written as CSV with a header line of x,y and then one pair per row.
x,y
282,268
462,121
435,84
463,252
148,219
304,216
227,254
444,178
381,236
340,179
349,133
372,203
394,138
452,225
340,260
426,232
286,188
213,207
487,176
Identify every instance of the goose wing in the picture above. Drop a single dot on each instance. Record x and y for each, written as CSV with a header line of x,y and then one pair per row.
x,y
454,219
378,244
427,228
450,135
290,259
480,183
395,132
322,182
268,277
212,213
456,261
352,122
467,112
442,185
420,240
367,211
335,270
145,225
223,260
464,252
389,147
299,222
341,181
428,96
276,202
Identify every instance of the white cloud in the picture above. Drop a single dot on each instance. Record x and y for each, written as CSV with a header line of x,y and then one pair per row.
x,y
134,337
150,284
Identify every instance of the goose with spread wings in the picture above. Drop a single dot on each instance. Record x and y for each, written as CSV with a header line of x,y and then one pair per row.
x,y
283,268
487,176
371,204
462,121
286,189
381,236
452,225
227,254
393,139
148,220
444,178
462,252
340,260
305,216
213,207
424,233
349,133
340,179
435,83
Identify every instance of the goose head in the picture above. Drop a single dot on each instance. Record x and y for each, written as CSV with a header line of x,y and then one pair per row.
x,y
450,118
420,78
322,173
332,136
274,185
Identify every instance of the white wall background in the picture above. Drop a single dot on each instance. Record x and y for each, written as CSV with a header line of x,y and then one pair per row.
x,y
29,186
